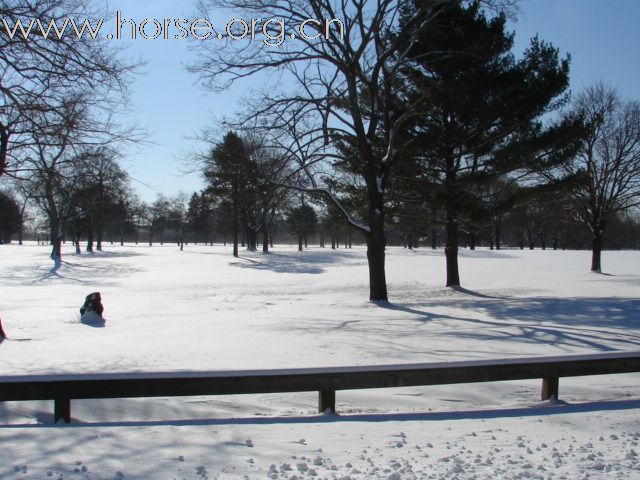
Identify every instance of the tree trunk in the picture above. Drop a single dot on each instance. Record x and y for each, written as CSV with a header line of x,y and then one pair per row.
x,y
252,241
56,248
376,244
596,251
4,144
376,258
451,253
90,241
333,242
56,241
235,229
265,242
99,238
451,242
299,243
498,232
472,240
54,225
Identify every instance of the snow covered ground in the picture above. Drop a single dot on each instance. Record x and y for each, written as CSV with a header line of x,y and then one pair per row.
x,y
201,309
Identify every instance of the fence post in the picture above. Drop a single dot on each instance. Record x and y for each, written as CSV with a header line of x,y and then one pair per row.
x,y
326,399
62,410
550,386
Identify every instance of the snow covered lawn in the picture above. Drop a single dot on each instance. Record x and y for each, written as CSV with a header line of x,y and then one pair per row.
x,y
201,309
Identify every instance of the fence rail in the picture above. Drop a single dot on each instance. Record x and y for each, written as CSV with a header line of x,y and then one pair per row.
x,y
63,388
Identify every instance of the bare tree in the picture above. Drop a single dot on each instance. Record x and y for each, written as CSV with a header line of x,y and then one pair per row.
x,y
609,159
101,188
48,169
37,71
179,209
50,162
58,93
339,75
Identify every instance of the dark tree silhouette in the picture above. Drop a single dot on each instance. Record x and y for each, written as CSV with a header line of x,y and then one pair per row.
x,y
482,120
10,217
232,176
100,188
302,221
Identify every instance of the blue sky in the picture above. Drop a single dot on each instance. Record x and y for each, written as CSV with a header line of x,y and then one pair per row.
x,y
601,35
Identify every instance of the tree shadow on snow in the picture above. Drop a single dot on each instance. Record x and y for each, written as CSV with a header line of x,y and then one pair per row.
x,y
81,273
593,323
499,323
309,262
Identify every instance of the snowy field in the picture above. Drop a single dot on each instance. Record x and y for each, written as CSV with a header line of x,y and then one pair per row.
x,y
201,309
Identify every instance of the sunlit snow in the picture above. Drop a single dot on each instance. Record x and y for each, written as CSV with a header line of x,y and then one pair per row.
x,y
202,309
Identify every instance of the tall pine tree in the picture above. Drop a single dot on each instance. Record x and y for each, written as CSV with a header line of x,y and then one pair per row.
x,y
483,113
232,174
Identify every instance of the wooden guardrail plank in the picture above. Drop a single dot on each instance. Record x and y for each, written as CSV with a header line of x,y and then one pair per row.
x,y
63,388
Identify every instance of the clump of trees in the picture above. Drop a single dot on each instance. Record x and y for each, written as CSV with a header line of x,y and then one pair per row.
x,y
58,99
302,222
414,115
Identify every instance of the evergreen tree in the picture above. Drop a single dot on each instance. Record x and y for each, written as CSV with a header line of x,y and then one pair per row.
x,y
232,177
200,217
482,114
10,218
302,222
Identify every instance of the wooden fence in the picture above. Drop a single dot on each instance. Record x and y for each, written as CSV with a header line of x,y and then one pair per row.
x,y
62,388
